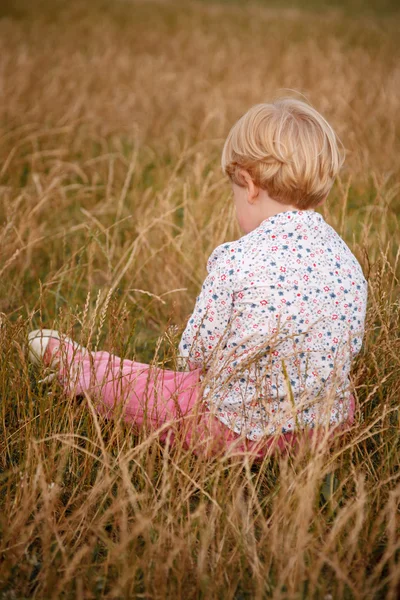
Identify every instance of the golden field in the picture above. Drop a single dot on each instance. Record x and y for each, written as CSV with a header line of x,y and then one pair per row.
x,y
112,120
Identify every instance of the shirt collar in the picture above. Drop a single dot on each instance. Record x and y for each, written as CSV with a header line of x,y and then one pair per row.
x,y
289,216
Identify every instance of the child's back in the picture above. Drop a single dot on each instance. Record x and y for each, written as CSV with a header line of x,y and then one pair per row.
x,y
278,319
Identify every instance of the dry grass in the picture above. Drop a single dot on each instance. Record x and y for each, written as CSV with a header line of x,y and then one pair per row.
x,y
112,119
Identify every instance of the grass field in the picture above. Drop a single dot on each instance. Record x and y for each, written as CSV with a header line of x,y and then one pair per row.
x,y
112,121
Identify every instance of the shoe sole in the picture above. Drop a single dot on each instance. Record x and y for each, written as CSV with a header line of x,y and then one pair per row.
x,y
38,341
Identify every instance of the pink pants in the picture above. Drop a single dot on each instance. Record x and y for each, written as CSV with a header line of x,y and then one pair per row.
x,y
161,400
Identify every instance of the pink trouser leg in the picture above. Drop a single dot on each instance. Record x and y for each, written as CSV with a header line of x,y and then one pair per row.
x,y
148,396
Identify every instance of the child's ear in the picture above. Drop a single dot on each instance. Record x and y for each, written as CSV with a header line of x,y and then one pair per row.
x,y
252,188
252,192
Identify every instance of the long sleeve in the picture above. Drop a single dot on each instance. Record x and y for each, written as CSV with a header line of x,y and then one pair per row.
x,y
209,323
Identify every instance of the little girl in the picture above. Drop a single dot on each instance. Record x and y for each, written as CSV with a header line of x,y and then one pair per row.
x,y
279,317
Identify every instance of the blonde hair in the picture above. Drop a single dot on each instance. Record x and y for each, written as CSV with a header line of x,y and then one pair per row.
x,y
288,149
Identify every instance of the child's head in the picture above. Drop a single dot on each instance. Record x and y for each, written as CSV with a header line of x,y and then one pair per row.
x,y
288,149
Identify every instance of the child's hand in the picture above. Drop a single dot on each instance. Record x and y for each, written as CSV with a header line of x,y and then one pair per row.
x,y
183,364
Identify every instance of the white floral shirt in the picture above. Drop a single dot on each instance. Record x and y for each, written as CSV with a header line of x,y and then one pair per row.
x,y
276,325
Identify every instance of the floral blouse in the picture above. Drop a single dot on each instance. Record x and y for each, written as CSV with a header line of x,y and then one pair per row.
x,y
276,325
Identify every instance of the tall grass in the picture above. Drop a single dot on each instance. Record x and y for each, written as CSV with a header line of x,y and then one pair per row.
x,y
112,119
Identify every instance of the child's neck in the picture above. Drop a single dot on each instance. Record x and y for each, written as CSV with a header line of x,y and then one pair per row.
x,y
266,207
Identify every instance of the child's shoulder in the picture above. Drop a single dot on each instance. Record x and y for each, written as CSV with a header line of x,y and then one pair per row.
x,y
233,251
220,254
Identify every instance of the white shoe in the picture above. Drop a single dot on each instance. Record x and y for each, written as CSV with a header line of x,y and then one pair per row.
x,y
38,341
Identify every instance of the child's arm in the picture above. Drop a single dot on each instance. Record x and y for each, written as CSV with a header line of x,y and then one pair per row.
x,y
209,323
